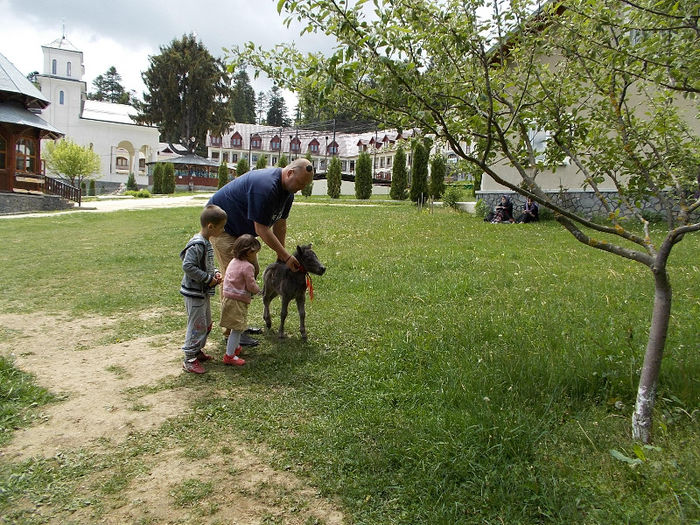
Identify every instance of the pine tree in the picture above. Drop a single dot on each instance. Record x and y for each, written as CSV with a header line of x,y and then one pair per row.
x,y
242,101
334,178
398,176
158,178
109,88
363,176
277,109
131,183
438,168
283,161
419,173
261,163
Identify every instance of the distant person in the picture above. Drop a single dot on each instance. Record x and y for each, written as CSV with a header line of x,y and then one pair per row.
x,y
258,203
531,212
198,285
238,288
503,212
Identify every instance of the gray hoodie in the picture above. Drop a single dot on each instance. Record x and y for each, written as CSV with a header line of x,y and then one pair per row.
x,y
198,265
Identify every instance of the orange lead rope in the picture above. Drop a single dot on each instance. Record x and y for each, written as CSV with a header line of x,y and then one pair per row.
x,y
310,286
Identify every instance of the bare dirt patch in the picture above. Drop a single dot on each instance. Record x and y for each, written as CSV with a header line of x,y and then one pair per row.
x,y
98,382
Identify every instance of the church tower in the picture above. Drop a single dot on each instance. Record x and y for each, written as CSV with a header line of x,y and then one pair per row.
x,y
62,83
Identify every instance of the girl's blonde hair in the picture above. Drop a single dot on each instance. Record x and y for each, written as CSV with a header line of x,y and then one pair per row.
x,y
244,244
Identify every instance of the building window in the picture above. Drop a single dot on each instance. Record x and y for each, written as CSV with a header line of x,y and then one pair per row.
x,y
26,156
256,142
61,97
255,158
333,148
388,162
344,165
381,162
352,166
142,164
68,67
295,145
225,158
274,161
236,140
3,153
216,141
215,155
54,66
122,163
234,157
275,144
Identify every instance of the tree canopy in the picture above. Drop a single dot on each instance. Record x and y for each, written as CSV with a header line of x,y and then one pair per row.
x,y
188,92
108,88
71,161
615,100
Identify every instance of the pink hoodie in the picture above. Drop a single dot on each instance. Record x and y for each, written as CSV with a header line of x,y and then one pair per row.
x,y
239,282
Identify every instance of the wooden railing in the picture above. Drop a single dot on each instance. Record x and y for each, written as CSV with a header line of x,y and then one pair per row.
x,y
57,187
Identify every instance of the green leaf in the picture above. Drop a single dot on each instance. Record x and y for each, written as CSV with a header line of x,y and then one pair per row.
x,y
620,456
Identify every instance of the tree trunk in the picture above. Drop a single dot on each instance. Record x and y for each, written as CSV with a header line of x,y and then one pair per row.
x,y
646,393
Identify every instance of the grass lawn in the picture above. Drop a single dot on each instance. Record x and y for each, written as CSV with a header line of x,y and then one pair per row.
x,y
456,371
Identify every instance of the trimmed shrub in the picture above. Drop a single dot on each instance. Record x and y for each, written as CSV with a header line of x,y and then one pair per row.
x,y
169,178
306,190
334,178
481,209
242,167
223,175
399,177
158,178
438,169
419,173
363,176
261,164
91,188
283,161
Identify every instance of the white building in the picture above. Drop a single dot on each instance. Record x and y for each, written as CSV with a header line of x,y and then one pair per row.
x,y
123,145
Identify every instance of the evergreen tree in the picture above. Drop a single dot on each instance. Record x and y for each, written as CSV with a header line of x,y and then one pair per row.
x,y
333,178
188,92
283,161
363,176
438,169
399,176
131,183
108,88
419,173
223,175
158,178
242,102
261,106
261,163
277,109
169,178
91,187
242,167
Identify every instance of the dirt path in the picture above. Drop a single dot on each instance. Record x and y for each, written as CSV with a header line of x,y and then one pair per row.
x,y
67,358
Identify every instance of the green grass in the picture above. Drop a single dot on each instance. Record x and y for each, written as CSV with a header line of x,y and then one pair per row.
x,y
456,371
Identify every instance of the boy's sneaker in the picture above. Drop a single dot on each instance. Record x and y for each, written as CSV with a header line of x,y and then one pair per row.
x,y
201,356
233,360
237,351
193,366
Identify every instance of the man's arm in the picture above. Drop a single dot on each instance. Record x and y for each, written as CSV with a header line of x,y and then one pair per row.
x,y
269,237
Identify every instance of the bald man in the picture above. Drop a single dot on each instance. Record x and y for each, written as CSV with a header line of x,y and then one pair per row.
x,y
258,203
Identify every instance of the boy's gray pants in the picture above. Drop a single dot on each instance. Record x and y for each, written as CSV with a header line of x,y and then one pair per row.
x,y
198,325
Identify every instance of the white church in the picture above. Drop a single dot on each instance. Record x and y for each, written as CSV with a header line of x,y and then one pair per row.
x,y
123,145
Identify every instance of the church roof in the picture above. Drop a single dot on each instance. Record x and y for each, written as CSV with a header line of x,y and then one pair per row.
x,y
109,112
15,86
14,113
63,43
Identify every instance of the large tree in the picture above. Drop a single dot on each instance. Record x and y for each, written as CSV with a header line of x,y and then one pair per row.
x,y
108,88
242,102
277,109
188,92
72,161
612,103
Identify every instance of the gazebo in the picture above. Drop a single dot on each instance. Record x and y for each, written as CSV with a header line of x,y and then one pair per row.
x,y
21,131
193,171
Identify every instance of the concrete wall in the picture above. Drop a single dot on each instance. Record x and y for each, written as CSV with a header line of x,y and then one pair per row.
x,y
11,203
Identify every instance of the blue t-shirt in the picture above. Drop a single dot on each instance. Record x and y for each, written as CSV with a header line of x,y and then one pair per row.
x,y
256,196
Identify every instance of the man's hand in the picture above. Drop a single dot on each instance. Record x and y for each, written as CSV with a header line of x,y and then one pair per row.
x,y
293,264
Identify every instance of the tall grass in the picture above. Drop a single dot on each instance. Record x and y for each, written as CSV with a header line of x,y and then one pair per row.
x,y
456,371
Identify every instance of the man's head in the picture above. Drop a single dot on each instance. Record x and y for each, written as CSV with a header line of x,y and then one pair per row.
x,y
297,174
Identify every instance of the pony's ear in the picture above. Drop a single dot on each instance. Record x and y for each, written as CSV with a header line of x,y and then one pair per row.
x,y
311,244
299,248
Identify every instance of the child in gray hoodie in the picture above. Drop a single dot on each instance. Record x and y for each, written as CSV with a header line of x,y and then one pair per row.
x,y
198,285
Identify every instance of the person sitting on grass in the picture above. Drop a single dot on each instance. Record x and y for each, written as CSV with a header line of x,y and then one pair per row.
x,y
239,286
198,285
503,212
531,212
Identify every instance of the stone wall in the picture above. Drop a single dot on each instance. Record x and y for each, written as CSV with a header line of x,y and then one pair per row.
x,y
584,203
11,203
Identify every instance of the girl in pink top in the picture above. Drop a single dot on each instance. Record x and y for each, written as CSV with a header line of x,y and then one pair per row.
x,y
238,288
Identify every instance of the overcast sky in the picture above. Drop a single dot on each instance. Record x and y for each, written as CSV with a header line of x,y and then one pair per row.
x,y
123,33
